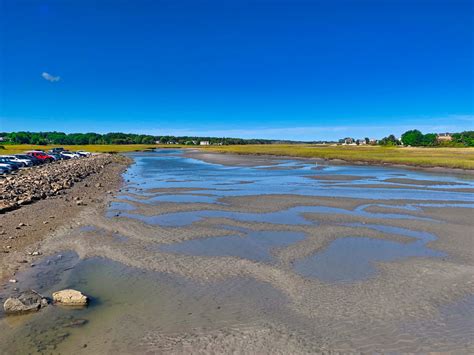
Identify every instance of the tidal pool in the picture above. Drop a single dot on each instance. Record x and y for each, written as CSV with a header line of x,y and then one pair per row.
x,y
126,305
352,259
254,245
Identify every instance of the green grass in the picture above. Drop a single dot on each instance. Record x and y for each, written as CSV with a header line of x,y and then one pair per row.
x,y
95,148
462,158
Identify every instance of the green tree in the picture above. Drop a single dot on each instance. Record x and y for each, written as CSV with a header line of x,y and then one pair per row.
x,y
413,138
429,140
391,140
465,138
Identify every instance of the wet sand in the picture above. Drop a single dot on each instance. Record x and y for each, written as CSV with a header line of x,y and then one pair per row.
x,y
180,302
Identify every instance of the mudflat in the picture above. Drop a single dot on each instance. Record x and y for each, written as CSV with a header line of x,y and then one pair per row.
x,y
217,253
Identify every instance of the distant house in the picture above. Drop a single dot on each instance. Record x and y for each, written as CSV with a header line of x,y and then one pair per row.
x,y
2,139
444,137
349,141
373,141
204,143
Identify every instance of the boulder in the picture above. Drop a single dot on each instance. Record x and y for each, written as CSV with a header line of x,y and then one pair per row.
x,y
70,298
28,301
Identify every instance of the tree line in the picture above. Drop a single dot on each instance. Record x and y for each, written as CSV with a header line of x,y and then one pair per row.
x,y
44,138
412,138
415,138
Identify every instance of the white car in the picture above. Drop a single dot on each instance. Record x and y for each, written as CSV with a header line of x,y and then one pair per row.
x,y
14,158
84,153
70,154
8,167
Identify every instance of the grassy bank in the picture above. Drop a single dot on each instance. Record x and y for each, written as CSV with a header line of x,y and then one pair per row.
x,y
96,148
462,158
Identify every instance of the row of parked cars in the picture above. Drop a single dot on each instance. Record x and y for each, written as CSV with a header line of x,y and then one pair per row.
x,y
10,163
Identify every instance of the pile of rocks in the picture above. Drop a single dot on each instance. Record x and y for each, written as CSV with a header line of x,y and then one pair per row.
x,y
32,301
48,180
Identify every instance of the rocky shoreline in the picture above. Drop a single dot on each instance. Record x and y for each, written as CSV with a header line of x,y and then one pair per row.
x,y
56,193
48,180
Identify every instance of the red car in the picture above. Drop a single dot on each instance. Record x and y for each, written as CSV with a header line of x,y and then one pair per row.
x,y
41,156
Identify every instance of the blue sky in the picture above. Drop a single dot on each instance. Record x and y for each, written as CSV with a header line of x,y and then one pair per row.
x,y
295,69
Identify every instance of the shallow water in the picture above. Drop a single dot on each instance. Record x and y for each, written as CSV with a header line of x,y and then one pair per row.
x,y
151,307
172,170
292,215
127,304
354,259
253,245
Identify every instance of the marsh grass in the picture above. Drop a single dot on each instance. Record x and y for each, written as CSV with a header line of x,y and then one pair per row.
x,y
462,158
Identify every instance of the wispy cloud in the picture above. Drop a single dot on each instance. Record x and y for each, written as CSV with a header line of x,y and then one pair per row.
x,y
50,77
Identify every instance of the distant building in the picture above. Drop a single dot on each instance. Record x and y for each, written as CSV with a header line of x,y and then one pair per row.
x,y
444,137
348,141
204,143
2,139
373,141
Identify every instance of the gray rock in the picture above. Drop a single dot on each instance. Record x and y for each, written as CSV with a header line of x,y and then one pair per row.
x,y
28,301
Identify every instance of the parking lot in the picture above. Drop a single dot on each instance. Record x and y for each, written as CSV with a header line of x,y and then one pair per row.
x,y
11,163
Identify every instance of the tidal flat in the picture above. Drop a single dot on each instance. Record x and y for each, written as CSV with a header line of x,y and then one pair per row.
x,y
206,253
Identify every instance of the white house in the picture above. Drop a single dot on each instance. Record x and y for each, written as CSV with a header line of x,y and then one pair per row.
x,y
204,143
444,137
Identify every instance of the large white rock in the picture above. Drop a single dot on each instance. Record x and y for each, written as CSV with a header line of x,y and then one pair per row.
x,y
70,298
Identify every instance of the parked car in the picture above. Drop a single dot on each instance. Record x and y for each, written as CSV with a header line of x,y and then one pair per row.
x,y
83,153
33,159
57,150
3,170
41,156
65,157
6,167
9,164
69,154
14,158
14,163
56,156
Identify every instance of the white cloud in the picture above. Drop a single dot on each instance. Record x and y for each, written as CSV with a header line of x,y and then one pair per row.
x,y
50,77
